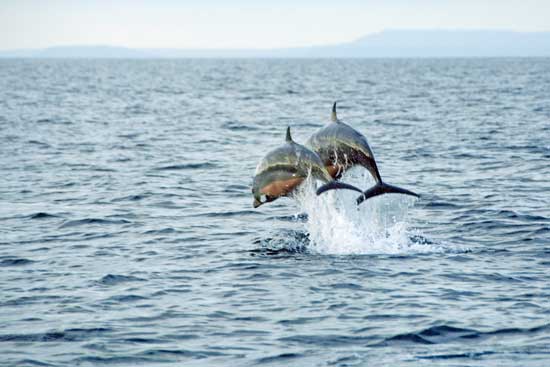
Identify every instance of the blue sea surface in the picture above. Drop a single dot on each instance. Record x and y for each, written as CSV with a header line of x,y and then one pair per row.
x,y
128,237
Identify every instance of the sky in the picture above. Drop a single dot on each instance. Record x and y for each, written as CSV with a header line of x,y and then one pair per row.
x,y
257,24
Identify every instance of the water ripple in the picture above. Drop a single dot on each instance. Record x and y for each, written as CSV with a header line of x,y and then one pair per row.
x,y
127,234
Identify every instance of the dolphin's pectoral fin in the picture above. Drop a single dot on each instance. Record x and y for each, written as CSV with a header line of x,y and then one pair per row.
x,y
335,185
383,188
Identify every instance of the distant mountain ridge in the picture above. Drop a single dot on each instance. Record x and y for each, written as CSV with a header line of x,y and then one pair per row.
x,y
390,43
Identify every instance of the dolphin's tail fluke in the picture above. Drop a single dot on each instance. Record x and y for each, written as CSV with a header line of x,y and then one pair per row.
x,y
336,185
383,188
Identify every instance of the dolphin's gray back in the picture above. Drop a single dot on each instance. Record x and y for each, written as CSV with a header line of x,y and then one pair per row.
x,y
338,138
294,158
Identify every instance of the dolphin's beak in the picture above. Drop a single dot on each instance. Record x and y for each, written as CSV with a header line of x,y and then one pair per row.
x,y
256,203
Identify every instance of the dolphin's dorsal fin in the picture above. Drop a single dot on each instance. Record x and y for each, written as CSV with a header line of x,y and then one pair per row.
x,y
288,136
333,116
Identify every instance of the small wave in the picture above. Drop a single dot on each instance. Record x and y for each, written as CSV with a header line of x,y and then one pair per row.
x,y
140,340
32,362
279,358
407,338
28,300
181,352
129,136
168,230
444,333
238,189
113,279
327,340
175,167
511,214
129,198
115,360
235,126
441,205
70,335
126,298
228,214
39,143
85,221
302,320
42,215
468,355
15,261
53,121
366,81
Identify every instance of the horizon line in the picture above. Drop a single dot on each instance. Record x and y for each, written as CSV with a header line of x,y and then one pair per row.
x,y
206,49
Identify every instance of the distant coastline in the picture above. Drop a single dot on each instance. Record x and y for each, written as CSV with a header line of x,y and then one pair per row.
x,y
390,43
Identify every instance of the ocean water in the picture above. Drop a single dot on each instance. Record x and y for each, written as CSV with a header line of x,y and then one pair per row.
x,y
128,237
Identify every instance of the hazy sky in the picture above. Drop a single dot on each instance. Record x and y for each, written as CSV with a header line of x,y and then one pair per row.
x,y
247,23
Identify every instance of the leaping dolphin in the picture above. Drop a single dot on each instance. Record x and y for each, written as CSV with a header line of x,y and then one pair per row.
x,y
283,169
341,147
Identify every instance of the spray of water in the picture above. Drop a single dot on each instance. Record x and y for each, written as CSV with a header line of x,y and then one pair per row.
x,y
336,225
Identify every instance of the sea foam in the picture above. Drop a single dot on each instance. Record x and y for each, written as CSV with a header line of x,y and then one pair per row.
x,y
337,225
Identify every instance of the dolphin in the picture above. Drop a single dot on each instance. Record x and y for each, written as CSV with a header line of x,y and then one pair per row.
x,y
283,169
341,147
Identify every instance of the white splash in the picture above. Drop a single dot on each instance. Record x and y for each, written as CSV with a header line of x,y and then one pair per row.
x,y
336,225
